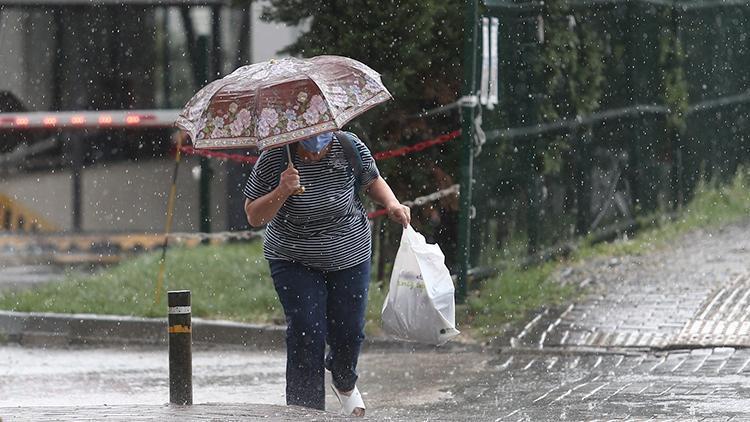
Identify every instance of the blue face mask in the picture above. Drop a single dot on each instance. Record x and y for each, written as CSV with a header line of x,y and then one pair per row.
x,y
317,143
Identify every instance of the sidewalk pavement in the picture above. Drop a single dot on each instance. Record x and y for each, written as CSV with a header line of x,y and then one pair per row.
x,y
694,293
661,336
710,384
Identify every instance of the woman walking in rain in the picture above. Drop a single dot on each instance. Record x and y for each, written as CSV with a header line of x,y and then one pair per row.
x,y
318,240
318,245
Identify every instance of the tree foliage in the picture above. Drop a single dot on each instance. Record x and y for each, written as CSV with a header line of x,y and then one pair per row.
x,y
572,71
414,44
674,86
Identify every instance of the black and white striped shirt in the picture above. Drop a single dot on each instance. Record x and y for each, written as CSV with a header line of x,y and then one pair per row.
x,y
326,227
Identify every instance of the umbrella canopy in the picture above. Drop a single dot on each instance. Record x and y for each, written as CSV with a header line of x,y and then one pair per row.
x,y
281,101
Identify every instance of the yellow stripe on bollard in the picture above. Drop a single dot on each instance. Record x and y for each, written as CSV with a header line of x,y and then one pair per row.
x,y
176,329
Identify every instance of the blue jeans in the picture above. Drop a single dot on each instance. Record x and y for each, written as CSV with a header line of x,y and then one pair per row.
x,y
321,307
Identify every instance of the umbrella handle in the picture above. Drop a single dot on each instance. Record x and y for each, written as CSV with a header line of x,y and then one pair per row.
x,y
300,190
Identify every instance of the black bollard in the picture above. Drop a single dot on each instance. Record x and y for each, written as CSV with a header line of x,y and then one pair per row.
x,y
180,353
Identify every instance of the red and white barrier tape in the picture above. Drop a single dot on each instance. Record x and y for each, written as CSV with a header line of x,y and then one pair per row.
x,y
251,234
420,200
248,159
384,155
398,152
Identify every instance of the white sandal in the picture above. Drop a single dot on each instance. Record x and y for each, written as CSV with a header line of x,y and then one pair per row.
x,y
349,403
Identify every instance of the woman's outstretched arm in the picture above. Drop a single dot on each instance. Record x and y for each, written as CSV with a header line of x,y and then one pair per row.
x,y
381,193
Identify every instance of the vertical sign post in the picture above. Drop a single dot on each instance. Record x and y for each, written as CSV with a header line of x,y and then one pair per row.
x,y
204,189
468,105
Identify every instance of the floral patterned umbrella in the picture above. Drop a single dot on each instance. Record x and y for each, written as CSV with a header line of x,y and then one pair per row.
x,y
278,102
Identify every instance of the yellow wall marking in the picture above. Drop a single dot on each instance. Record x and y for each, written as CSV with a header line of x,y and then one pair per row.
x,y
31,220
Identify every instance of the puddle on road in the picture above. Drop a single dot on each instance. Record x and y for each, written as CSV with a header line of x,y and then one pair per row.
x,y
65,377
62,377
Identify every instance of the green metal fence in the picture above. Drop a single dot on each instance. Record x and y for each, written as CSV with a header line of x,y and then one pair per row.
x,y
609,110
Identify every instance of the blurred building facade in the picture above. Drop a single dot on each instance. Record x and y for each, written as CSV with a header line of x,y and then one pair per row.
x,y
67,55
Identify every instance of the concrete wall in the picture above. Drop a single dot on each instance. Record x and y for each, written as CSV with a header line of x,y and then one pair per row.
x,y
126,196
11,54
38,61
92,74
25,59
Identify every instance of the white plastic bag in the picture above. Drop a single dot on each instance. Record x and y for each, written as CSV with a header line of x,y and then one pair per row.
x,y
420,305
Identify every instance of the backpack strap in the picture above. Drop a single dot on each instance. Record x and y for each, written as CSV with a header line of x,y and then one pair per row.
x,y
349,144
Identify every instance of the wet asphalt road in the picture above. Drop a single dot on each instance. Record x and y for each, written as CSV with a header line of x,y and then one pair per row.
x,y
21,275
660,336
136,377
515,385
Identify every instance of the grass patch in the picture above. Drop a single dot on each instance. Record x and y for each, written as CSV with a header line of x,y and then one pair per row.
x,y
512,295
228,282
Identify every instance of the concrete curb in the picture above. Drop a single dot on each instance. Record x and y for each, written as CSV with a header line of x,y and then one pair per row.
x,y
59,330
49,329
